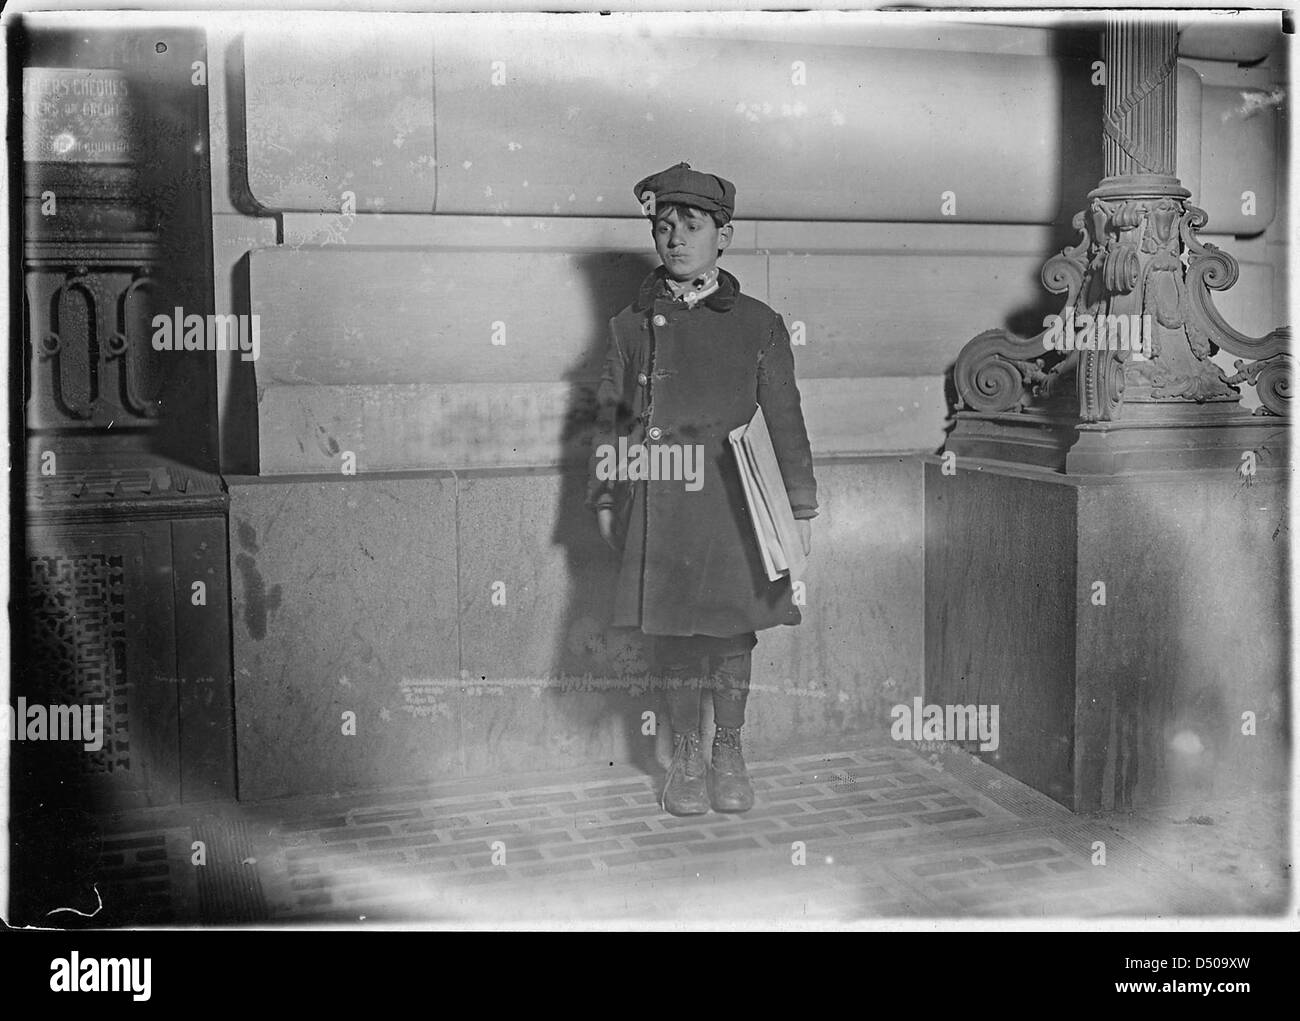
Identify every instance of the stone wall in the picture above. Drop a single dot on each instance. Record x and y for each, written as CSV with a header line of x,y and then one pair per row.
x,y
393,195
374,595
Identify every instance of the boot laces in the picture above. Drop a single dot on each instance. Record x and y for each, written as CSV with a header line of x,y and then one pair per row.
x,y
684,747
729,737
726,750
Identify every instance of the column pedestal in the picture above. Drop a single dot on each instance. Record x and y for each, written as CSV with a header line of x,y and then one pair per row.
x,y
1124,626
1106,554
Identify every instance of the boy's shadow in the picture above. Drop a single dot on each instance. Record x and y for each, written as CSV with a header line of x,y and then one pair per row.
x,y
599,671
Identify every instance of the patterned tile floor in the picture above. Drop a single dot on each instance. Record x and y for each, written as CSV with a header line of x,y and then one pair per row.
x,y
862,834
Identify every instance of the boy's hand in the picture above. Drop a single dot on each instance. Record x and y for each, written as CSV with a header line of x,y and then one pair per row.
x,y
605,522
805,535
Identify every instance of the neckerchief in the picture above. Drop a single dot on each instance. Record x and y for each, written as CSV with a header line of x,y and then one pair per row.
x,y
692,291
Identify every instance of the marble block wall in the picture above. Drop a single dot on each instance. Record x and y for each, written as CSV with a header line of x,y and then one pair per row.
x,y
868,119
371,171
1139,700
462,618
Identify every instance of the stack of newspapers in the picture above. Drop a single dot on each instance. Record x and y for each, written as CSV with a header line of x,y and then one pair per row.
x,y
769,506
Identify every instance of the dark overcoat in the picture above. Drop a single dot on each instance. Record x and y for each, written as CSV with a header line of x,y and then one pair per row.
x,y
689,563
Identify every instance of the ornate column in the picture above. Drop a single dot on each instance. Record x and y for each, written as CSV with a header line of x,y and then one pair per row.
x,y
1093,566
1086,395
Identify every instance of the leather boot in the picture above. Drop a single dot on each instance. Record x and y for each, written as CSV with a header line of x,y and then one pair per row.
x,y
729,786
685,788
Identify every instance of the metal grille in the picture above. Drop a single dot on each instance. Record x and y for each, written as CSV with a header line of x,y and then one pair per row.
x,y
78,644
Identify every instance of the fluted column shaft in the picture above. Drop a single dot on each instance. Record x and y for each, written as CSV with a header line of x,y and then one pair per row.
x,y
1140,122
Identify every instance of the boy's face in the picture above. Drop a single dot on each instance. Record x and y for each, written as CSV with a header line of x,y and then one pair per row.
x,y
688,241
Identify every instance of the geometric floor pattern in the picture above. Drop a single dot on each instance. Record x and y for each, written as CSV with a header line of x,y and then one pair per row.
x,y
835,839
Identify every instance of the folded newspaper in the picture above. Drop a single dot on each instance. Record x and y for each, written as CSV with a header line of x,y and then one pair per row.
x,y
769,505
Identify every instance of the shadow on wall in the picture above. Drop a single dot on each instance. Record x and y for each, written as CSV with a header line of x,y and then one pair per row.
x,y
239,413
588,652
1079,130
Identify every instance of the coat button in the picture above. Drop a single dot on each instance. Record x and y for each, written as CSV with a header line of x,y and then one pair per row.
x,y
642,378
660,321
655,433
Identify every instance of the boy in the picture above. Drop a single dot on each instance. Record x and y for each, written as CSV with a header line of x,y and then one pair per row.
x,y
687,362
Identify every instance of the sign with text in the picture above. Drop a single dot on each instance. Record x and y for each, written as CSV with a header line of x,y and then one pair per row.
x,y
79,115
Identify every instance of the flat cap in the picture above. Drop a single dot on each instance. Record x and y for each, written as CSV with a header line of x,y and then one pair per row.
x,y
689,187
